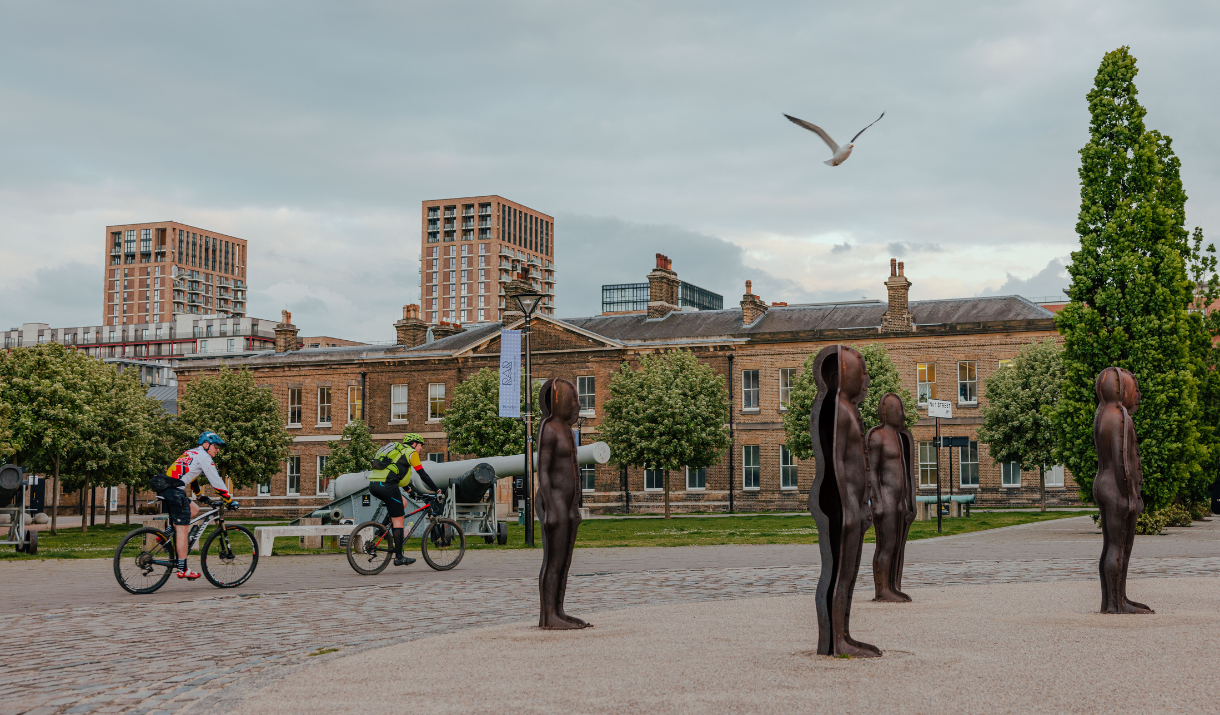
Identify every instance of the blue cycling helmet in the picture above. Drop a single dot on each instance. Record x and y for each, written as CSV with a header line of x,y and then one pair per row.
x,y
211,437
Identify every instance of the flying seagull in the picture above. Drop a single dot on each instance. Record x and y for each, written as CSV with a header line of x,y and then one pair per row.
x,y
840,153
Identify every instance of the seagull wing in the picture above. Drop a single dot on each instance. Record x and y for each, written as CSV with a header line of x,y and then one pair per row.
x,y
816,130
853,139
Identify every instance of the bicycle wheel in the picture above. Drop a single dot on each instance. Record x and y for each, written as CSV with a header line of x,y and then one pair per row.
x,y
370,548
230,561
444,544
143,570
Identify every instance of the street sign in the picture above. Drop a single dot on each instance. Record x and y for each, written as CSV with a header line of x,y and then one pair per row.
x,y
940,408
945,442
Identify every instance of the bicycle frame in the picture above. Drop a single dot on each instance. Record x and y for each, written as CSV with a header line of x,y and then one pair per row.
x,y
407,530
203,520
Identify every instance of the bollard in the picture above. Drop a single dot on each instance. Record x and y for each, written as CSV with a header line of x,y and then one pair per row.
x,y
311,542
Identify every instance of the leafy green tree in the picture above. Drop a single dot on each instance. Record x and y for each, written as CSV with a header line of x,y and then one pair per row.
x,y
353,452
7,446
49,389
1205,360
1021,399
883,377
246,416
670,413
1130,292
472,421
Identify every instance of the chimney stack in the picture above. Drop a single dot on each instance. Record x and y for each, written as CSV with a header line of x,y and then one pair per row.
x,y
512,313
752,307
897,318
411,331
444,330
662,289
286,334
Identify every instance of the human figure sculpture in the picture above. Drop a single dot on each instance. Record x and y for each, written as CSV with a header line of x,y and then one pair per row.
x,y
838,499
557,504
1116,489
891,484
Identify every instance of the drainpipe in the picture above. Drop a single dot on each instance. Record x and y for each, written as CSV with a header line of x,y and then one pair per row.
x,y
732,442
364,402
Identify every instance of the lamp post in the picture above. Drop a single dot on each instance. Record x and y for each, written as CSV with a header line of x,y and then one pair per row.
x,y
528,302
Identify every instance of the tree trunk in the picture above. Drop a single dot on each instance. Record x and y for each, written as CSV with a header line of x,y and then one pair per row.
x,y
665,476
84,516
1042,485
130,497
93,505
55,499
106,504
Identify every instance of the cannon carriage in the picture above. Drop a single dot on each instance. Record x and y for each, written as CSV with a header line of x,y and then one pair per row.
x,y
14,487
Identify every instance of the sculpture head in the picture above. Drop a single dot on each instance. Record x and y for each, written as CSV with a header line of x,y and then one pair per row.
x,y
853,377
1117,386
890,411
558,400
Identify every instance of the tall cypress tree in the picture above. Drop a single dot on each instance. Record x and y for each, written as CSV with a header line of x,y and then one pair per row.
x,y
1130,292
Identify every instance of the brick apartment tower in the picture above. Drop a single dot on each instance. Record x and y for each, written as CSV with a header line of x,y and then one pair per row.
x,y
472,247
157,270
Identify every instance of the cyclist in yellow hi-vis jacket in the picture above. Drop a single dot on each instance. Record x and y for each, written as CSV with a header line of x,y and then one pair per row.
x,y
392,465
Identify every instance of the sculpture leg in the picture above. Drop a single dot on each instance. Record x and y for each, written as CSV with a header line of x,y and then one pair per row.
x,y
1110,565
902,557
840,614
885,555
551,579
574,525
1129,606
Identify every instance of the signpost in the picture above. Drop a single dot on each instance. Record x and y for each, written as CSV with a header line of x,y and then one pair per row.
x,y
938,409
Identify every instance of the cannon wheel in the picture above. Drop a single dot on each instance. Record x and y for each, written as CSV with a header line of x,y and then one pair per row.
x,y
31,542
502,533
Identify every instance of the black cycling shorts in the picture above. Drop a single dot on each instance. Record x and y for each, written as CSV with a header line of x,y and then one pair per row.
x,y
391,496
177,505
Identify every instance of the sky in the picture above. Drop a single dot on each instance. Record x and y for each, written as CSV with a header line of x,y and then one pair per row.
x,y
315,130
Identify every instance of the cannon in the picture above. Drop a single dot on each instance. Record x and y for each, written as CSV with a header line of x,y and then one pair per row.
x,y
13,487
467,483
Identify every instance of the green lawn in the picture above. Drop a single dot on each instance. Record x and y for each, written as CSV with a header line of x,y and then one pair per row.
x,y
100,542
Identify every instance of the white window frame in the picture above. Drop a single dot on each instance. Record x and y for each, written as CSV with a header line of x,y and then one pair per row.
x,y
748,392
963,462
327,405
787,469
747,451
586,392
294,459
320,464
1006,475
588,472
787,376
1007,362
264,488
691,474
925,382
1054,476
355,404
300,407
436,396
437,457
399,409
970,383
928,458
655,476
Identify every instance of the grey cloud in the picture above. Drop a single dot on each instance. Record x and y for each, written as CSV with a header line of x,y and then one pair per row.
x,y
899,249
841,247
68,295
1049,281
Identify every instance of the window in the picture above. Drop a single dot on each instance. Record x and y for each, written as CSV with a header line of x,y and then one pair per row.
x,y
696,479
750,470
585,388
294,406
438,457
787,376
926,381
230,345
967,386
1054,476
587,480
398,403
322,481
294,476
355,405
749,389
1005,363
787,468
436,401
323,405
1010,474
264,488
969,469
654,480
927,465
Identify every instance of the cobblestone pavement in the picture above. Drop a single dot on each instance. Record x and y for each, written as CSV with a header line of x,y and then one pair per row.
x,y
205,653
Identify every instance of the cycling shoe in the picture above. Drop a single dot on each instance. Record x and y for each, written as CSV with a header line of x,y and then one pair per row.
x,y
404,561
189,575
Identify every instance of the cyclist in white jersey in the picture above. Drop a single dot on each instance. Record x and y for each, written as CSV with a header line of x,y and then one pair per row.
x,y
171,487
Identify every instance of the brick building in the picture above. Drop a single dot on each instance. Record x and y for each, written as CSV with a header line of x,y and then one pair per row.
x,y
945,349
470,248
155,271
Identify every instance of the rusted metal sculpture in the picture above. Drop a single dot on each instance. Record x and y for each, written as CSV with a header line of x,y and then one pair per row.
x,y
838,499
1116,489
558,499
891,483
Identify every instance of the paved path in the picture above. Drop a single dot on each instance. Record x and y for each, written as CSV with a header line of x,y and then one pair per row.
x,y
104,642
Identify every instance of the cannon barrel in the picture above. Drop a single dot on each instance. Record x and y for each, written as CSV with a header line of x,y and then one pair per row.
x,y
445,473
331,514
10,483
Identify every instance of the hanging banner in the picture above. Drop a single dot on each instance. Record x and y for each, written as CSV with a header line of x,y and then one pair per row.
x,y
510,373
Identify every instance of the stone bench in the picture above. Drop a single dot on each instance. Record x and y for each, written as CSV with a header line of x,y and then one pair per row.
x,y
265,535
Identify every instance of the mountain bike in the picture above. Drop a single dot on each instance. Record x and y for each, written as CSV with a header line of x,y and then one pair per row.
x,y
146,557
370,547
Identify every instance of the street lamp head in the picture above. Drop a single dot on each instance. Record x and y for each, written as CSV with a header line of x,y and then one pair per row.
x,y
528,301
